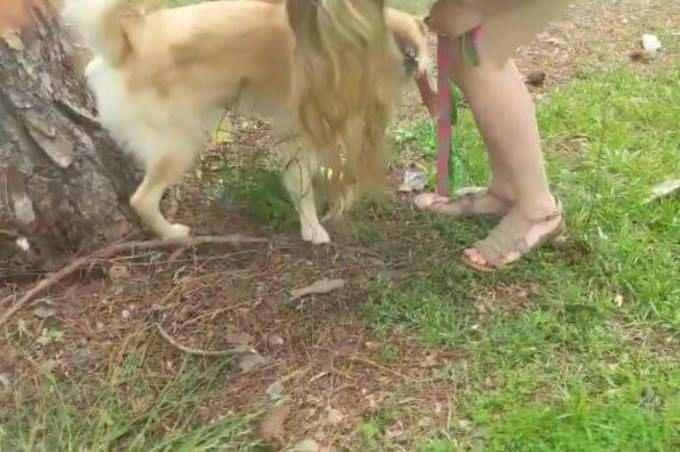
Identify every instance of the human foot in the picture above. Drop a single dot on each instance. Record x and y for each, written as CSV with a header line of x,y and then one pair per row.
x,y
514,237
468,202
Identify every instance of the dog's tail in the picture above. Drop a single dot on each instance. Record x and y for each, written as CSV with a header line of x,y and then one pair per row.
x,y
101,26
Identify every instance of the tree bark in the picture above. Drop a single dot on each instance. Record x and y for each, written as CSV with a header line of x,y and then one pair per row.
x,y
64,185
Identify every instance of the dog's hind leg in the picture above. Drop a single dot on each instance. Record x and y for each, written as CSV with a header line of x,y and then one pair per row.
x,y
299,167
162,171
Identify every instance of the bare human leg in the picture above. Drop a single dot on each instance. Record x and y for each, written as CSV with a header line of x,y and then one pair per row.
x,y
519,189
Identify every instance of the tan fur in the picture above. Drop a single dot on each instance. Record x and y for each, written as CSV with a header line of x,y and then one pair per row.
x,y
343,84
162,80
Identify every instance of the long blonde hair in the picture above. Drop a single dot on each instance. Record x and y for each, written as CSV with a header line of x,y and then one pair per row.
x,y
345,81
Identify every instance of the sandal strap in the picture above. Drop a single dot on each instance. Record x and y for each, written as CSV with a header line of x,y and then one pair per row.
x,y
467,201
496,247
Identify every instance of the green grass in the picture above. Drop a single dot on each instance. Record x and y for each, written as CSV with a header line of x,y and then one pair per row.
x,y
468,165
582,421
566,373
125,412
259,192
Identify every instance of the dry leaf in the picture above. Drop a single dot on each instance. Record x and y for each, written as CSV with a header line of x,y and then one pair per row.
x,y
223,137
429,362
23,328
141,405
223,134
323,286
44,312
335,416
395,431
275,341
307,445
555,41
43,340
465,425
49,365
251,361
116,231
275,390
239,339
272,426
118,272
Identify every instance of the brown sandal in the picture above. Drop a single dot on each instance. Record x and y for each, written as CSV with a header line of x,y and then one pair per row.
x,y
467,202
499,245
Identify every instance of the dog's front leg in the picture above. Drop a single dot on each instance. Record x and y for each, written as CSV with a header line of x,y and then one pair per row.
x,y
299,166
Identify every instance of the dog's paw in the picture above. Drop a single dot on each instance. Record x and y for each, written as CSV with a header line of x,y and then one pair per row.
x,y
177,232
316,235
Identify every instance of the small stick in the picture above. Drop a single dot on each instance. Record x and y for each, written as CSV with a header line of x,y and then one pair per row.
x,y
9,234
199,352
112,250
176,254
383,368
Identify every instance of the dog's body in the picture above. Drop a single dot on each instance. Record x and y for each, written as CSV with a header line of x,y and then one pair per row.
x,y
163,80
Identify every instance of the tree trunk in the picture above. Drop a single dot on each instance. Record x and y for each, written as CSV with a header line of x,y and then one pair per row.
x,y
63,184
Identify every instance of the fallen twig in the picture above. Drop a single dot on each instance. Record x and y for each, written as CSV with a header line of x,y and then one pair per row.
x,y
379,367
199,352
323,286
176,254
12,235
112,250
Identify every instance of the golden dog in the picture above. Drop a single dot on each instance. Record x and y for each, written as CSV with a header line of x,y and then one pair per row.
x,y
163,80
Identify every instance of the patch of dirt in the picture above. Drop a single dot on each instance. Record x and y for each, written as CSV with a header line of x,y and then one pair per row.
x,y
318,348
600,33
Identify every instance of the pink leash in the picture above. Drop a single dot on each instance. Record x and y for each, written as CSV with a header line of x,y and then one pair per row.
x,y
440,108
